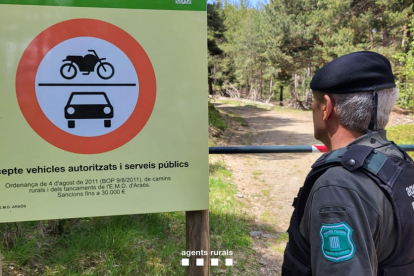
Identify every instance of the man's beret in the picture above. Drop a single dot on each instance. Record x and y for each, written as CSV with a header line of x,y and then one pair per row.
x,y
355,72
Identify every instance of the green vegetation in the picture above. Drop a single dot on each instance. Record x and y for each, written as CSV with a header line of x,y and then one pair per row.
x,y
406,82
402,135
229,226
215,119
122,245
216,124
280,243
275,47
288,110
258,106
232,121
237,118
266,193
231,102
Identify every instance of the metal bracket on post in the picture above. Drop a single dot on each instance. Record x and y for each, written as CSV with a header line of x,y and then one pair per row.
x,y
198,240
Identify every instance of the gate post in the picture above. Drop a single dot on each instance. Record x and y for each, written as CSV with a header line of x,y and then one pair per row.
x,y
198,239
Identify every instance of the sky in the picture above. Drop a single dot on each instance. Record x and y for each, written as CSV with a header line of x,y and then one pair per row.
x,y
256,1
252,2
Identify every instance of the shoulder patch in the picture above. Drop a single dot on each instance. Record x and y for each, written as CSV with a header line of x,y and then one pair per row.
x,y
336,242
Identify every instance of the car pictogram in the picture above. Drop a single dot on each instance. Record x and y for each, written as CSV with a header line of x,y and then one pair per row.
x,y
88,105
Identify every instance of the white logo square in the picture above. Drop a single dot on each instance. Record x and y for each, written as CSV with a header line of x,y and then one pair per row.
x,y
229,262
185,262
199,262
214,262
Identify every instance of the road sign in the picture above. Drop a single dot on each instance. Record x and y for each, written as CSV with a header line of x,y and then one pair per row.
x,y
81,93
103,108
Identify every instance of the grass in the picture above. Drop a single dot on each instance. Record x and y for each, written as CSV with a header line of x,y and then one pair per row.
x,y
123,245
259,107
231,102
235,117
229,226
216,125
255,105
287,109
221,120
402,134
215,119
266,193
256,175
277,108
280,242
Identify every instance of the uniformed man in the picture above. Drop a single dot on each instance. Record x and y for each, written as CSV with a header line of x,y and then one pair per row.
x,y
354,214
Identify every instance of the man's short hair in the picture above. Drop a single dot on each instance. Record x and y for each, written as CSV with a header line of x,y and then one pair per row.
x,y
354,110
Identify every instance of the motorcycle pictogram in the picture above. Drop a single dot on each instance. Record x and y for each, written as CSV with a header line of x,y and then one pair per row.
x,y
86,64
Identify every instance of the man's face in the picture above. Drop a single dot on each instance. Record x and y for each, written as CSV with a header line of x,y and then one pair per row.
x,y
319,127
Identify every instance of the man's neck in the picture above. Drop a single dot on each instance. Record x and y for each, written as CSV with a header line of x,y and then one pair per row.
x,y
341,138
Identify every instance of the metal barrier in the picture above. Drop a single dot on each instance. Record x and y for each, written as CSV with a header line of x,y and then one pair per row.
x,y
279,149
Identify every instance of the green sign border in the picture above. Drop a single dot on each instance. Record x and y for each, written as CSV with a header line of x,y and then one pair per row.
x,y
196,5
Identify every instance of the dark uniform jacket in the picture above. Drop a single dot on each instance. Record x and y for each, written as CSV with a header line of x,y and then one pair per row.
x,y
348,224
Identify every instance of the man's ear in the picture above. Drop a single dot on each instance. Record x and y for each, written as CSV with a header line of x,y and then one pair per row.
x,y
329,107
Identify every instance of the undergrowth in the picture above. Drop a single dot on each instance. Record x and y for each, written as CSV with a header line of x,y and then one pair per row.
x,y
402,135
215,119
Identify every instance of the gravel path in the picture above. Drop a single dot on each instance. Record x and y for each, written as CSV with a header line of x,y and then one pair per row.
x,y
267,183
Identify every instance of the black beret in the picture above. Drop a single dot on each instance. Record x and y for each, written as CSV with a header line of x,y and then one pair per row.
x,y
355,72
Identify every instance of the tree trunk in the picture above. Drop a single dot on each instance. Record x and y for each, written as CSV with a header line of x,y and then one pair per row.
x,y
295,89
371,38
281,96
210,86
296,100
251,76
270,91
270,86
247,86
214,74
404,39
261,80
384,36
303,86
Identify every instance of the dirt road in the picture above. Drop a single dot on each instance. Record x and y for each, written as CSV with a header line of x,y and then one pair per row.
x,y
267,183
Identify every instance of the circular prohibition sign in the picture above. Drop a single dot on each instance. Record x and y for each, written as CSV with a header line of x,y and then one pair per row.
x,y
26,85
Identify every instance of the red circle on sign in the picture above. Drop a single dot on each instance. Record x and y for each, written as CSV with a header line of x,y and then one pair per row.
x,y
26,85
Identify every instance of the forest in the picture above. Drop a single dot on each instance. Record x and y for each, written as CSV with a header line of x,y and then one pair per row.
x,y
270,51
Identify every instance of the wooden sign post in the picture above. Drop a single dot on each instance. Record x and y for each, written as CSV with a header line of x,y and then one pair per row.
x,y
198,239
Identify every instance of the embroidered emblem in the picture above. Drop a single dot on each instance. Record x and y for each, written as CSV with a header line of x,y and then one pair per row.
x,y
336,242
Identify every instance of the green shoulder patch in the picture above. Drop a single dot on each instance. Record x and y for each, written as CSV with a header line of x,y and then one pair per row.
x,y
336,242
